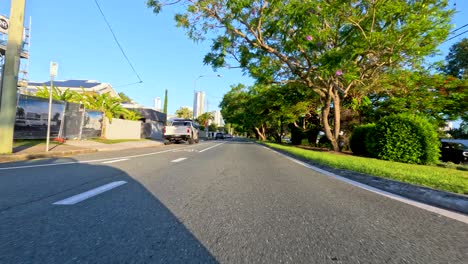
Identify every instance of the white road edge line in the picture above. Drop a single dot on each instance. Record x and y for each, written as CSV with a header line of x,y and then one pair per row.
x,y
179,160
211,147
112,161
460,217
88,194
91,161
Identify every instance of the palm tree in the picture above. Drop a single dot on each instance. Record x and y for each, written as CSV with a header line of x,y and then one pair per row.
x,y
57,94
110,106
132,115
204,118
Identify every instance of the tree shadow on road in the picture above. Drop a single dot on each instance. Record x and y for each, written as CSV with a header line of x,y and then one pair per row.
x,y
127,224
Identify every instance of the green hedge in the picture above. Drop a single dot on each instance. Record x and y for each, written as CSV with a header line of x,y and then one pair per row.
x,y
404,138
357,141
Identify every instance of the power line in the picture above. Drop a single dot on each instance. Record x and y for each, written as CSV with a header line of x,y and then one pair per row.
x,y
458,28
117,42
127,84
456,35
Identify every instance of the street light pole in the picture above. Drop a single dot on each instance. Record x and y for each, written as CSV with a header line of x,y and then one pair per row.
x,y
195,89
195,95
53,73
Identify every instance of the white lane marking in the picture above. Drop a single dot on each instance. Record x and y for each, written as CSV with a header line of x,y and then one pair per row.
x,y
183,150
112,161
88,194
460,217
90,161
179,160
210,147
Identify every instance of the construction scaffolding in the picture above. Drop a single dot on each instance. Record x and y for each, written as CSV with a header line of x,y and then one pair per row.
x,y
23,74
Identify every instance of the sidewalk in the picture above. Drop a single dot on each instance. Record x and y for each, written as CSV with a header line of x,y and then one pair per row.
x,y
72,147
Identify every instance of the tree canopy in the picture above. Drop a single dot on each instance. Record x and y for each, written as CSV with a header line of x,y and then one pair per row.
x,y
335,48
457,60
184,112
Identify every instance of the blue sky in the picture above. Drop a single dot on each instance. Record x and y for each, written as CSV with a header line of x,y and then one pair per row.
x,y
74,34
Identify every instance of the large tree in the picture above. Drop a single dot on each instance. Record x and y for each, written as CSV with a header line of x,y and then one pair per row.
x,y
457,59
332,47
204,118
266,109
184,112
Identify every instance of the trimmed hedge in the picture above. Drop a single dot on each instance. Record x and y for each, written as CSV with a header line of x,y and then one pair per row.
x,y
296,135
324,142
357,141
404,138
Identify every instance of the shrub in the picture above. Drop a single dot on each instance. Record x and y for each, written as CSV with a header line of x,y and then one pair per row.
x,y
296,136
404,138
358,139
324,142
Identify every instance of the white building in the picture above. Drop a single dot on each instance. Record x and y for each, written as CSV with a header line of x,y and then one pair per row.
x,y
198,104
217,118
80,86
157,103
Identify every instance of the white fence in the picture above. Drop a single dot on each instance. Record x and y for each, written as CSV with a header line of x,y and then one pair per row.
x,y
122,129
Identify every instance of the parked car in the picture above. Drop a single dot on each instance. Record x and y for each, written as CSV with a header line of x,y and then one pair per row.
x,y
228,136
453,151
181,130
219,136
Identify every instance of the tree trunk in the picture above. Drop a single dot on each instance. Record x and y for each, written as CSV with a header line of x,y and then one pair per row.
x,y
337,120
332,136
104,127
261,134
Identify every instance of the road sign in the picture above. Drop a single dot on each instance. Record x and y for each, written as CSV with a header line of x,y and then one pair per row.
x,y
4,24
53,69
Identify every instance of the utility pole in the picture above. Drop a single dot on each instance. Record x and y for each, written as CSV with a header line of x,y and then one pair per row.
x,y
10,76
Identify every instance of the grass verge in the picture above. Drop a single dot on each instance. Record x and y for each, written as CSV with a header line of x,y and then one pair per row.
x,y
445,179
29,142
114,141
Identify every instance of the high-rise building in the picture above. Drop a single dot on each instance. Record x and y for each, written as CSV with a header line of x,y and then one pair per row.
x,y
157,103
198,104
217,118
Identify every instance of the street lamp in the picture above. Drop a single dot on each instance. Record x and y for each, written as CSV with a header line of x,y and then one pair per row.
x,y
195,89
195,95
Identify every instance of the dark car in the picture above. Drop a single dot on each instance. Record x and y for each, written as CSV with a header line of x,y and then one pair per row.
x,y
219,136
453,151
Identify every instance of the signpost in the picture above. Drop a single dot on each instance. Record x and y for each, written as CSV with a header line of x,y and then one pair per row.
x,y
53,73
4,24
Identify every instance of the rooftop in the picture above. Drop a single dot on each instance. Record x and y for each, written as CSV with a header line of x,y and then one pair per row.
x,y
69,83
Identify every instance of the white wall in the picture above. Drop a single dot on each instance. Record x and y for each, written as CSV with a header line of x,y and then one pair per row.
x,y
122,129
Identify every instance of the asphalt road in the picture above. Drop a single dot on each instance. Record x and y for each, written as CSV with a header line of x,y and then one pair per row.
x,y
216,202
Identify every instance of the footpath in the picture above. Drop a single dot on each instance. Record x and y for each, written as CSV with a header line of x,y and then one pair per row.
x,y
72,147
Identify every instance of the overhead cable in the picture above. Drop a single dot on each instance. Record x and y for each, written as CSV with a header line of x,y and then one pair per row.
x,y
117,41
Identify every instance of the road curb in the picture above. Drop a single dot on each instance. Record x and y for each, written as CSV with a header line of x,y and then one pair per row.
x,y
442,199
31,156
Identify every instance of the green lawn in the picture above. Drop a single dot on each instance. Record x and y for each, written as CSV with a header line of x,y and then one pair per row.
x,y
29,142
447,179
114,141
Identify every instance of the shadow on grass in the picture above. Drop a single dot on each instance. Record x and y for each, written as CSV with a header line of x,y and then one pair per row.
x,y
25,144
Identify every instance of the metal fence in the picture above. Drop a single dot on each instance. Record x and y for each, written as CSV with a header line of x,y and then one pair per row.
x,y
69,120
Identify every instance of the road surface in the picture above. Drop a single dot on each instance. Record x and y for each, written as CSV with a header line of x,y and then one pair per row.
x,y
214,202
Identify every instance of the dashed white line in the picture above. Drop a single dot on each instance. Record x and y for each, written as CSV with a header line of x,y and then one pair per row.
x,y
210,147
88,161
86,195
179,160
112,161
